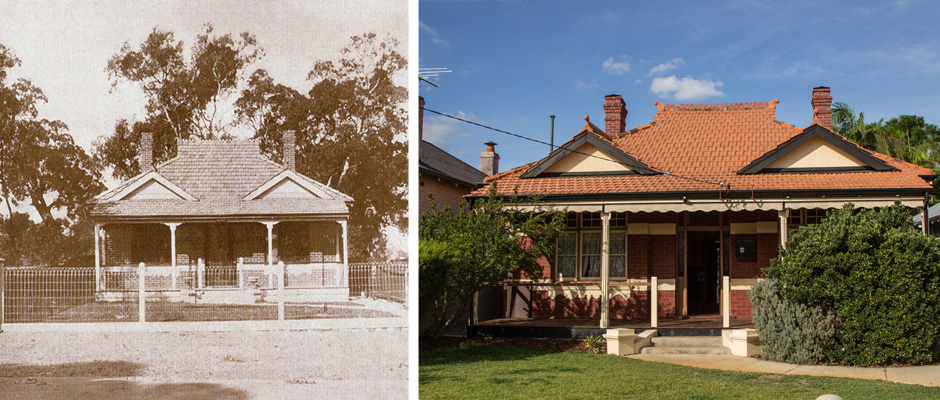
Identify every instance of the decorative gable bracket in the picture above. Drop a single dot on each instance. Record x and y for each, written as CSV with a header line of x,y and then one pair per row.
x,y
584,138
866,161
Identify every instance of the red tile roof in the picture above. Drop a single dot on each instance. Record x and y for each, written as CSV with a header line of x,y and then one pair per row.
x,y
697,146
219,174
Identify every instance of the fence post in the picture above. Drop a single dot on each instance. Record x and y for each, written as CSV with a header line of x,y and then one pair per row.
x,y
726,301
654,302
241,283
2,290
200,274
142,304
280,290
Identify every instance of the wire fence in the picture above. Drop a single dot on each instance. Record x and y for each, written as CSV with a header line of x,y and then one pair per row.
x,y
386,280
201,293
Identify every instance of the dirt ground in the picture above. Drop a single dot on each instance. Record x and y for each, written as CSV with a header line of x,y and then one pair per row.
x,y
348,363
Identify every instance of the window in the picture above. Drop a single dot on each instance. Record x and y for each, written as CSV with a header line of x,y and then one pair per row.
x,y
579,248
803,216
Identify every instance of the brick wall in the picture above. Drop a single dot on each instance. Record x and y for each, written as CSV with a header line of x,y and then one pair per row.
x,y
445,193
636,305
766,250
740,304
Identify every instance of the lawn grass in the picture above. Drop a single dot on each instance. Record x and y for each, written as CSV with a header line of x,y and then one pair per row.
x,y
469,370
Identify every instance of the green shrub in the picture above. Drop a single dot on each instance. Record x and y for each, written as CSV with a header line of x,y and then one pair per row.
x,y
597,343
878,274
790,332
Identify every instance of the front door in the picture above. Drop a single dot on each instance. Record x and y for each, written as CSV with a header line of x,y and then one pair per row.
x,y
220,256
704,274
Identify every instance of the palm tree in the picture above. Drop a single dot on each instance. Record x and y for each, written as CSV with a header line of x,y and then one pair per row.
x,y
873,136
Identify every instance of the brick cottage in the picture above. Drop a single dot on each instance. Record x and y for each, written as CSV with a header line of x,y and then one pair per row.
x,y
217,219
689,208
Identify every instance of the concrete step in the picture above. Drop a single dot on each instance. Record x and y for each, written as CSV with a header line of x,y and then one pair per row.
x,y
687,341
685,350
686,345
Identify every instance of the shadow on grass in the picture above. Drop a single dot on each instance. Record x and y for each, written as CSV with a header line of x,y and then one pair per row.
x,y
468,352
99,380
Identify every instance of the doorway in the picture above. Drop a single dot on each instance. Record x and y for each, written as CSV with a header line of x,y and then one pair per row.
x,y
704,273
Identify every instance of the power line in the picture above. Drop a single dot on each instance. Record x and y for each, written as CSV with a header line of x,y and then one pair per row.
x,y
666,173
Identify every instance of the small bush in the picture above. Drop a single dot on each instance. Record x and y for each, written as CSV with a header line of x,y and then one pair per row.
x,y
597,344
878,274
790,332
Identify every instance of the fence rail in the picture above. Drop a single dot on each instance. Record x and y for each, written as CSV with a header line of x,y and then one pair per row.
x,y
209,293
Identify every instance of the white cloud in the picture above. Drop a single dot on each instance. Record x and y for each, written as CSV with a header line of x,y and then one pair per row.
x,y
440,130
686,88
666,66
435,38
581,85
614,67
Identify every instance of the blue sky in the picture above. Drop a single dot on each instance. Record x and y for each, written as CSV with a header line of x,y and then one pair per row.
x,y
515,63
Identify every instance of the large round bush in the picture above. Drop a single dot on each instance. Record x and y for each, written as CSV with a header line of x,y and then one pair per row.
x,y
877,274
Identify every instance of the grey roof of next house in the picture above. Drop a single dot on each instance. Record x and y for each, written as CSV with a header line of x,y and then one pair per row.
x,y
439,163
219,175
932,213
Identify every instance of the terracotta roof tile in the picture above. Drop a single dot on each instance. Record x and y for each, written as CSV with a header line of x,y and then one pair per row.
x,y
700,145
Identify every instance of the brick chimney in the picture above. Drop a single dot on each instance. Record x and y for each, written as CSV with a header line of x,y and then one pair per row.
x,y
615,111
489,160
420,119
822,107
287,154
145,153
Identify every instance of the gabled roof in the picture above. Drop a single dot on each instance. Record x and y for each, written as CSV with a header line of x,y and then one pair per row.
x,y
318,189
440,164
217,176
815,131
699,148
579,140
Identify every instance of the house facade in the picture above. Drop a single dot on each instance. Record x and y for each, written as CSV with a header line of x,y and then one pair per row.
x,y
678,217
445,177
216,221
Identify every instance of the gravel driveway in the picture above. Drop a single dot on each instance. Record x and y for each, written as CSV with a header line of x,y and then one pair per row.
x,y
341,363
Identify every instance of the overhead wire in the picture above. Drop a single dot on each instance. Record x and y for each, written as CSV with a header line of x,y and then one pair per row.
x,y
720,184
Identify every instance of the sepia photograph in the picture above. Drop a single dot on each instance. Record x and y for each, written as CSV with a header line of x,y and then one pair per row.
x,y
204,199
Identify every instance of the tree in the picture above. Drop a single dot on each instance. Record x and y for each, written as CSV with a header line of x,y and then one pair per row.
x,y
906,137
350,132
40,167
485,245
184,99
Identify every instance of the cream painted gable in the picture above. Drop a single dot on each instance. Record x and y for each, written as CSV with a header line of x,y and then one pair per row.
x,y
287,189
816,153
587,158
152,190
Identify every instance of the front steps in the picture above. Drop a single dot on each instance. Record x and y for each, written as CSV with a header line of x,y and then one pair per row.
x,y
686,345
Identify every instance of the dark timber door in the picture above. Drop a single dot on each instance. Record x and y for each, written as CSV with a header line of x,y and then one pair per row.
x,y
704,274
220,255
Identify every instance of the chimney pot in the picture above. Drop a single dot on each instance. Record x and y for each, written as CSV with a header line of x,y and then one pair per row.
x,y
288,150
489,160
145,153
822,107
615,111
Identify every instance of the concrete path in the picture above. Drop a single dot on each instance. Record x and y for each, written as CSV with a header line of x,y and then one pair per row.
x,y
927,375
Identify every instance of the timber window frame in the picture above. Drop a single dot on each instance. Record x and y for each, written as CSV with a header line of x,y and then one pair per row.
x,y
577,258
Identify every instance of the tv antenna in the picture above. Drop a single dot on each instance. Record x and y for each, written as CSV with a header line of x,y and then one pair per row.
x,y
425,73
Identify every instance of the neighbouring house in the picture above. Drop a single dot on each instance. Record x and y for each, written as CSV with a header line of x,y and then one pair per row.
x,y
446,177
216,220
933,215
689,208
